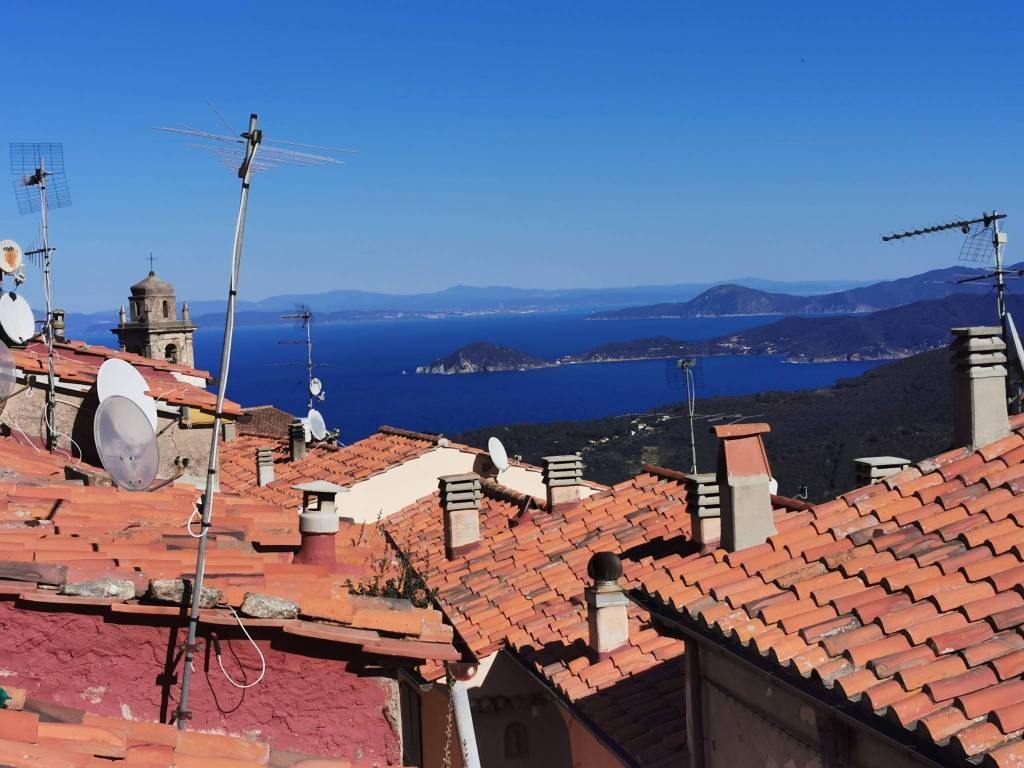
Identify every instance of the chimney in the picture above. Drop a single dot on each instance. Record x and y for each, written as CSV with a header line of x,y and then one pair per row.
x,y
318,523
230,431
58,325
607,605
297,440
460,507
264,467
744,484
979,386
704,503
563,478
872,469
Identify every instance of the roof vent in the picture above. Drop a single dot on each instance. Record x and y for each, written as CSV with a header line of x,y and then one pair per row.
x,y
979,386
460,507
705,505
563,479
872,469
264,466
297,440
318,523
744,482
607,605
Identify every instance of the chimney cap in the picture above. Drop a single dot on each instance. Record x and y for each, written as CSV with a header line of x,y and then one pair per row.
x,y
725,431
978,330
605,566
319,486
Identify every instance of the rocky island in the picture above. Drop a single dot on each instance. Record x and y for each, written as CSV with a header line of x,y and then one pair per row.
x,y
483,357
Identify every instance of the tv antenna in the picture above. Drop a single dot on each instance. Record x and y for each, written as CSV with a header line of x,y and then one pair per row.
x,y
249,153
688,372
314,387
39,185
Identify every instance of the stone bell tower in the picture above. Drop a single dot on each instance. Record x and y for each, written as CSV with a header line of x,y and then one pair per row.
x,y
152,327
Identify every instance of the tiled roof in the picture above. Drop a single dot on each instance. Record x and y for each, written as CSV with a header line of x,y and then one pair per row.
x,y
343,465
522,589
61,737
265,421
79,362
905,598
55,534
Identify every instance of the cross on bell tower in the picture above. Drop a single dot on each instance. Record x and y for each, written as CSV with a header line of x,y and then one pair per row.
x,y
151,264
151,327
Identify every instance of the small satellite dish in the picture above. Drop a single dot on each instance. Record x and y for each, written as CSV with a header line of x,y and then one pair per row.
x,y
126,443
119,377
16,318
317,426
10,256
499,457
8,372
315,387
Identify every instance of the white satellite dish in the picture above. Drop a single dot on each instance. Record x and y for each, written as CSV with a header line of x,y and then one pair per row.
x,y
11,256
119,377
315,387
16,318
317,426
126,443
499,457
8,372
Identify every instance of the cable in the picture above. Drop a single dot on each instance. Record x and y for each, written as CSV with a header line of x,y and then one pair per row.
x,y
263,661
191,519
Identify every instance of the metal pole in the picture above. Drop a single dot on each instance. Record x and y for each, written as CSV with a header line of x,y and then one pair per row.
x,y
183,713
309,359
690,404
464,722
48,413
1000,277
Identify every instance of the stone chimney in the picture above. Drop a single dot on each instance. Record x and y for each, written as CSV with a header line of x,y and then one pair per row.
x,y
460,508
872,469
607,605
704,503
744,480
318,523
979,386
297,440
563,479
264,466
229,430
58,325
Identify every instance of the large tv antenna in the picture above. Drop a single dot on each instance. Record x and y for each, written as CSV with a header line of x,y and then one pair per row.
x,y
314,387
249,155
39,185
687,372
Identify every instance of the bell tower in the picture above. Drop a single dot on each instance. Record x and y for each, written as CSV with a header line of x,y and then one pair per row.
x,y
151,326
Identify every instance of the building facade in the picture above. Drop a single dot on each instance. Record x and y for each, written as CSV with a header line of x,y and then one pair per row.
x,y
151,326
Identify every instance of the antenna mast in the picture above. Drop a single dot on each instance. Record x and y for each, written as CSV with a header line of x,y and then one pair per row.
x,y
689,370
242,149
306,317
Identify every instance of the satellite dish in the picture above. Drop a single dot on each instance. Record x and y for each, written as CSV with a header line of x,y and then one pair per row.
x,y
10,256
315,387
126,443
8,372
118,377
499,457
16,318
317,426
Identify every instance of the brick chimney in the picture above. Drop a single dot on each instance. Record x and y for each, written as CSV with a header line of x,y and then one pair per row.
x,y
744,480
318,523
264,466
460,507
872,469
297,440
979,386
704,503
607,605
563,479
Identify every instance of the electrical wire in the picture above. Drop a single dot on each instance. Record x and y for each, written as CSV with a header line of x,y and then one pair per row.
x,y
263,661
191,520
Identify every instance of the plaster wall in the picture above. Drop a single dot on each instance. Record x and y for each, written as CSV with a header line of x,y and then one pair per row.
x,y
315,698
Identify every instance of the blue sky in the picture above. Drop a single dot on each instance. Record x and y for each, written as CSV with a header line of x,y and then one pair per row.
x,y
530,144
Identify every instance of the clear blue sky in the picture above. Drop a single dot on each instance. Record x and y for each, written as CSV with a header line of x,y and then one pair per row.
x,y
530,144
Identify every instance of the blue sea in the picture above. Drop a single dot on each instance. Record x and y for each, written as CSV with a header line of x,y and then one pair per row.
x,y
368,370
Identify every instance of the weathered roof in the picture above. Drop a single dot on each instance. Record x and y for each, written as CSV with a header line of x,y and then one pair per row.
x,y
905,598
151,284
265,421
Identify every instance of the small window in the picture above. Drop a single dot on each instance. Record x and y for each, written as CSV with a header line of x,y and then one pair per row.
x,y
517,741
171,353
165,308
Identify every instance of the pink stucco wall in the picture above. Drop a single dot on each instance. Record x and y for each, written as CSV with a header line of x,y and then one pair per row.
x,y
313,699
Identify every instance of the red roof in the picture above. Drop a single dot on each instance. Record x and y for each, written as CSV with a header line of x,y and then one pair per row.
x,y
55,533
906,597
79,362
265,421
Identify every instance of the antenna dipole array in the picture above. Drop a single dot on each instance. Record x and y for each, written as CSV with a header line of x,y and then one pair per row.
x,y
250,155
963,225
306,317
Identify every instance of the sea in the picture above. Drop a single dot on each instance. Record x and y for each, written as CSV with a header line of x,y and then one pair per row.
x,y
368,370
